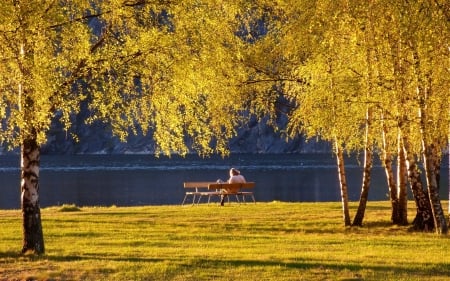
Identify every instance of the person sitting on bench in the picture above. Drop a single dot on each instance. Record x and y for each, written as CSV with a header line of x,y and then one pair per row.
x,y
235,177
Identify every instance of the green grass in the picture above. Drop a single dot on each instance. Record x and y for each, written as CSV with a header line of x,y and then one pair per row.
x,y
263,241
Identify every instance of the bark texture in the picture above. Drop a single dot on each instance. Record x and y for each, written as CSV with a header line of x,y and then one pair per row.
x,y
424,216
33,238
391,182
431,161
392,188
402,176
359,217
343,184
368,162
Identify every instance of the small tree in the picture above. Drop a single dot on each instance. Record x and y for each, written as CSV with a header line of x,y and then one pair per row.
x,y
327,100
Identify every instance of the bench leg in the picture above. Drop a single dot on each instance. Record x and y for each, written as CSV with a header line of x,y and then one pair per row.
x,y
231,194
209,197
185,196
248,194
199,198
253,198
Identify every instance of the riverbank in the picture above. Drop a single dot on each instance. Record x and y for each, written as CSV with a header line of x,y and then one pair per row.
x,y
263,241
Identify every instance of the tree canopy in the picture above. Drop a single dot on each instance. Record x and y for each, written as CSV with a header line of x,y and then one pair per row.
x,y
169,69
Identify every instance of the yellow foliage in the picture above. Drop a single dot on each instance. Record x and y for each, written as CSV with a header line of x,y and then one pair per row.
x,y
179,71
167,69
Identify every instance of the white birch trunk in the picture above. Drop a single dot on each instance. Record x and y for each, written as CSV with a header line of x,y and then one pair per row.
x,y
33,238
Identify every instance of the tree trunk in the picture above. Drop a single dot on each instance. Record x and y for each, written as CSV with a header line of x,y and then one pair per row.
x,y
368,160
33,238
431,161
402,176
387,160
424,216
343,184
359,217
372,69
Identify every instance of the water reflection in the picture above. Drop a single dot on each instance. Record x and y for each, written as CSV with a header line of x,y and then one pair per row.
x,y
125,180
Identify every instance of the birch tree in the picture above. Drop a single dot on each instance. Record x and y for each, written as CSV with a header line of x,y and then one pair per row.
x,y
425,33
169,69
382,54
403,112
325,101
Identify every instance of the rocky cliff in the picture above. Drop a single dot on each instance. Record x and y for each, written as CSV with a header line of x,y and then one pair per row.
x,y
254,137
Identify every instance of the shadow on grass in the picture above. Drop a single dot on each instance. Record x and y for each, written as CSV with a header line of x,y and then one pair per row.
x,y
217,265
378,224
385,227
10,254
314,265
69,258
102,257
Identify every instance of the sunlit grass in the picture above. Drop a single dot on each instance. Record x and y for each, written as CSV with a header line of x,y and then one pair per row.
x,y
263,241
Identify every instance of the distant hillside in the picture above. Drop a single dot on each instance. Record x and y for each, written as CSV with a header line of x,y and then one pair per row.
x,y
254,137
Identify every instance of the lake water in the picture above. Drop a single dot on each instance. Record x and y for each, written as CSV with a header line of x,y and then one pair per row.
x,y
130,180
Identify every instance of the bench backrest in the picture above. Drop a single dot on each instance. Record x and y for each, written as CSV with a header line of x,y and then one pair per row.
x,y
197,184
231,186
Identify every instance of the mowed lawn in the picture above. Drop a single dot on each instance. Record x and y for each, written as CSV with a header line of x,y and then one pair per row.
x,y
262,241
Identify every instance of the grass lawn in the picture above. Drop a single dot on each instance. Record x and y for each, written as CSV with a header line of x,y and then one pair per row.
x,y
263,241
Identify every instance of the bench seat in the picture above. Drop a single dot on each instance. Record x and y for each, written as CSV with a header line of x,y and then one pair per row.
x,y
210,189
234,189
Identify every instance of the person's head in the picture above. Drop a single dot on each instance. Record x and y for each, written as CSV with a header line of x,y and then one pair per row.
x,y
234,172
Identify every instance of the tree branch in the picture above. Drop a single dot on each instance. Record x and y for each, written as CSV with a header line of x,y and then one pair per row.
x,y
297,80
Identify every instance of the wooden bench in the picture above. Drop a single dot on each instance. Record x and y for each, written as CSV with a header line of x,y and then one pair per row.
x,y
237,189
198,190
209,189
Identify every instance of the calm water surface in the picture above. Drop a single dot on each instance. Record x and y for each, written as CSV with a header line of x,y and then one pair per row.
x,y
129,180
